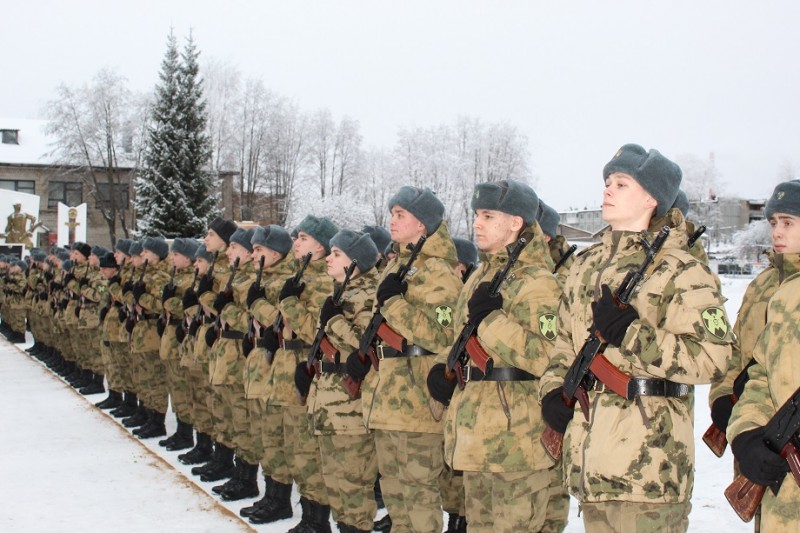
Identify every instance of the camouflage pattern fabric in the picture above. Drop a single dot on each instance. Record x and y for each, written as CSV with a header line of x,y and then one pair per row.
x,y
451,487
697,251
506,501
230,416
557,513
349,467
252,450
274,462
613,517
303,455
199,391
558,246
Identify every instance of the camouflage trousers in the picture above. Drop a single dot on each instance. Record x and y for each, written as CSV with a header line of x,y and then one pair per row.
x,y
65,343
251,449
121,354
303,457
150,378
87,347
349,468
274,461
451,486
506,501
110,366
635,517
555,519
199,394
179,395
410,465
14,317
229,411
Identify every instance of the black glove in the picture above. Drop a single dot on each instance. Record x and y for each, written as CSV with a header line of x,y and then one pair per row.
x,y
211,336
69,277
168,292
194,325
161,327
611,321
206,284
180,333
130,323
222,300
189,298
757,462
43,295
254,293
83,282
390,286
269,340
121,314
302,379
328,311
440,387
355,368
104,312
114,279
481,303
555,412
138,290
127,287
290,289
721,411
247,346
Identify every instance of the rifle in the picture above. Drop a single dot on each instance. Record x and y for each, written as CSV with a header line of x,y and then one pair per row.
x,y
696,235
250,336
133,314
227,292
581,375
468,272
714,437
467,345
277,325
162,319
379,328
316,351
567,254
780,436
81,298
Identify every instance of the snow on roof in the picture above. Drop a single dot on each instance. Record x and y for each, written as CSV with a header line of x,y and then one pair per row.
x,y
34,143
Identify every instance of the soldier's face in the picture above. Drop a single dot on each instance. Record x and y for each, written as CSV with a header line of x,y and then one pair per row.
x,y
337,261
94,260
213,242
626,205
108,273
494,230
405,227
237,251
785,233
305,243
137,260
119,257
270,256
201,265
180,261
151,257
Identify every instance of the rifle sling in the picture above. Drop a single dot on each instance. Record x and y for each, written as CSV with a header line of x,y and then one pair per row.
x,y
635,386
473,373
332,368
230,334
387,352
295,344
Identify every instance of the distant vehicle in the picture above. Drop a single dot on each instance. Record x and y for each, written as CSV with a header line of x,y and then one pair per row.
x,y
734,269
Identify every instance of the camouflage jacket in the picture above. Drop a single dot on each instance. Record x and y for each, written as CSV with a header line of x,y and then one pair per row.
x,y
773,379
263,311
494,426
144,337
641,450
92,297
697,250
395,397
557,247
753,316
222,271
73,291
331,409
300,315
226,360
118,298
112,329
173,313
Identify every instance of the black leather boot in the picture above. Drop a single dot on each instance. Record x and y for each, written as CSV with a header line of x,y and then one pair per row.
x,y
384,525
95,387
223,468
200,453
378,493
247,485
184,437
250,509
456,523
316,518
139,418
344,528
277,507
128,406
155,428
83,379
112,401
234,480
211,464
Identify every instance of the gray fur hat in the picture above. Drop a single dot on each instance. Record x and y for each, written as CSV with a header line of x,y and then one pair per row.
x,y
123,245
507,196
19,263
224,228
203,253
321,228
380,236
135,248
185,246
100,251
242,237
548,219
273,237
62,254
66,264
466,251
38,255
157,245
785,199
422,203
358,246
681,203
659,176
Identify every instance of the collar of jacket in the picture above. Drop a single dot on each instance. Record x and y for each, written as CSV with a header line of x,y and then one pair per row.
x,y
535,253
439,244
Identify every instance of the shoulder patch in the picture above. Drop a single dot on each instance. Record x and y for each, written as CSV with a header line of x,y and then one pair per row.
x,y
548,326
715,322
444,315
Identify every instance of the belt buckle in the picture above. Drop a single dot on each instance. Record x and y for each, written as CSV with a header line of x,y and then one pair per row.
x,y
379,352
467,373
283,345
599,386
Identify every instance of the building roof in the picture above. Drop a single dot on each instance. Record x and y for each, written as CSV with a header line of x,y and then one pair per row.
x,y
34,144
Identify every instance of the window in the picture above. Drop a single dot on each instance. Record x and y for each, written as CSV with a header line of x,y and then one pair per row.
x,y
66,192
103,196
28,186
10,136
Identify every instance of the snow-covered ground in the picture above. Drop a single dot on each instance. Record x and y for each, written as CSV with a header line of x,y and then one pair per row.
x,y
65,465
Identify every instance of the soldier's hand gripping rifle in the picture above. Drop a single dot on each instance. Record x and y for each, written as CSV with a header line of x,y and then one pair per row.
x,y
321,343
379,328
277,325
467,345
80,297
714,437
580,376
133,314
780,436
249,340
161,327
227,294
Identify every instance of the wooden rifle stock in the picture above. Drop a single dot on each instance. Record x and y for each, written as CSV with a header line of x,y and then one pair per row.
x,y
714,437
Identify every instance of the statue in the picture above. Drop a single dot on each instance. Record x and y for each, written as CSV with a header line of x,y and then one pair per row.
x,y
17,230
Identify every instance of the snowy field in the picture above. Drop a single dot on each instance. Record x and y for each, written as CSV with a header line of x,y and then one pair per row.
x,y
66,466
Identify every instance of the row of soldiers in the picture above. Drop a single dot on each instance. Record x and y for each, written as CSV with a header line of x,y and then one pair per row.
x,y
327,363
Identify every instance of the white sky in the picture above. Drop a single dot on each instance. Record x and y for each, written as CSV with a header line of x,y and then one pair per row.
x,y
578,78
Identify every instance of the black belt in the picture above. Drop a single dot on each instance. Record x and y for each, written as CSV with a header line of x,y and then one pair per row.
x,y
472,373
295,344
175,321
333,368
237,335
208,320
387,352
149,316
652,387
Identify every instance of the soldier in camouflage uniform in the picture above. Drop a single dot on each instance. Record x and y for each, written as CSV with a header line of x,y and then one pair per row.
x,y
493,425
273,244
93,290
109,332
408,439
346,447
75,345
35,313
126,254
180,257
14,301
299,305
767,331
631,464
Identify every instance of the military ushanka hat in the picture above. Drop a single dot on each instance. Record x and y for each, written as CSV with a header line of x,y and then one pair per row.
x,y
84,249
659,176
38,255
358,246
380,236
466,251
422,203
108,261
681,203
203,253
548,219
135,248
507,196
224,228
100,251
185,246
785,199
123,245
273,237
242,237
62,254
157,245
320,228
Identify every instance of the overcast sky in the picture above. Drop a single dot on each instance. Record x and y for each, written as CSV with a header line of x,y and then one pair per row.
x,y
578,78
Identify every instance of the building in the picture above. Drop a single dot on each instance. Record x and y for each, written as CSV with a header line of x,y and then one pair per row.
x,y
26,165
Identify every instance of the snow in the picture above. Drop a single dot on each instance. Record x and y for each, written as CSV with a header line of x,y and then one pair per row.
x,y
34,142
67,465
